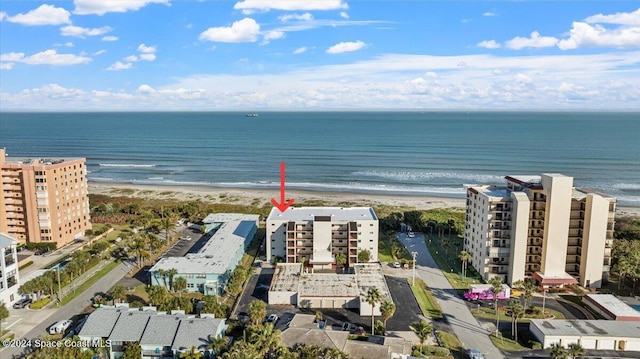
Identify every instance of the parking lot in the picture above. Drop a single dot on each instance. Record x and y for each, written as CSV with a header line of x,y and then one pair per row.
x,y
407,309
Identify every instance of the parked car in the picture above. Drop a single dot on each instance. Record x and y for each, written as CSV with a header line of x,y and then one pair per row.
x,y
22,303
396,265
346,326
475,354
185,238
60,327
272,318
411,235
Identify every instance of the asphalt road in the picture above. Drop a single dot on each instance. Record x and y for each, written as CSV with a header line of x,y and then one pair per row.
x,y
457,314
71,309
407,309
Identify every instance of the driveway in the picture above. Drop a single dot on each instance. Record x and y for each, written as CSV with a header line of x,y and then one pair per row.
x,y
465,326
407,309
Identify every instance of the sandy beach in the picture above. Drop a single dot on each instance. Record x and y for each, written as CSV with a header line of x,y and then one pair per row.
x,y
263,196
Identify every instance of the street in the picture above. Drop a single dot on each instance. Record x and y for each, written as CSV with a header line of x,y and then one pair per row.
x,y
468,330
72,308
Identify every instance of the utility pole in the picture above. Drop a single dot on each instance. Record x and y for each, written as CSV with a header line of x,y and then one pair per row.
x,y
59,288
414,254
544,297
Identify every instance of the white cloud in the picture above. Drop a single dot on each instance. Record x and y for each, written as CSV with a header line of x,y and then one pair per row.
x,y
300,50
12,57
299,17
489,14
272,35
66,44
620,18
3,15
147,57
43,15
81,32
117,66
110,38
348,46
488,44
585,35
245,30
6,66
101,7
249,6
144,88
142,48
48,57
522,78
99,52
535,41
132,58
431,74
344,15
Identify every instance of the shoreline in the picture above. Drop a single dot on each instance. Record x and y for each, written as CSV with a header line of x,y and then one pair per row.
x,y
261,197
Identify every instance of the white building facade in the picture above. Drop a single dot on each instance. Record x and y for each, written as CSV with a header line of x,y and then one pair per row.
x,y
9,277
540,227
317,234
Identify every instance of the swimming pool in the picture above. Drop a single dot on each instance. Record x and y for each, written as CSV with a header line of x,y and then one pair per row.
x,y
636,307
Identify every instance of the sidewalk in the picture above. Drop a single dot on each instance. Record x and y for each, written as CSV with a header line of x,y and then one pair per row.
x,y
77,281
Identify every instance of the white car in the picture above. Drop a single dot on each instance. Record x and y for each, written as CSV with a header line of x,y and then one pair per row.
x,y
272,318
411,235
396,265
185,238
60,327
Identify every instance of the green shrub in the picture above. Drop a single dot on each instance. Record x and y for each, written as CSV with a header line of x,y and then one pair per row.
x,y
25,265
136,304
40,303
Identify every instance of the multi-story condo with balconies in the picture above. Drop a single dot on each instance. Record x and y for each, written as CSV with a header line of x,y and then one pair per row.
x,y
317,234
540,227
9,278
44,200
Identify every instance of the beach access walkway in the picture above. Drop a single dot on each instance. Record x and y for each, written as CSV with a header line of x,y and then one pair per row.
x,y
466,327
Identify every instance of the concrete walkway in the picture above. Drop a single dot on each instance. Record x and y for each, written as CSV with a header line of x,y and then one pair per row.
x,y
465,326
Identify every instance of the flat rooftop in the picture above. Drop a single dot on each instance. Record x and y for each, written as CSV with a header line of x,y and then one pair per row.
x,y
37,161
288,277
6,240
493,192
336,213
580,193
598,328
613,305
216,254
522,179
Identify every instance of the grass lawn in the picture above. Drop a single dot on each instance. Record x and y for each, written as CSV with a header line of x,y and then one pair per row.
x,y
425,299
449,263
384,248
89,282
505,343
452,343
489,313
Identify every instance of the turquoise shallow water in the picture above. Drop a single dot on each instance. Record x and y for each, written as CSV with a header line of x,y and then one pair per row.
x,y
368,152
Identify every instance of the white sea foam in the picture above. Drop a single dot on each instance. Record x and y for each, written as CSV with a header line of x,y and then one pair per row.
x,y
422,176
125,165
627,186
155,178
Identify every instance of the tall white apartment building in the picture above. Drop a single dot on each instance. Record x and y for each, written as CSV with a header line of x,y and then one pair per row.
x,y
540,227
9,278
319,233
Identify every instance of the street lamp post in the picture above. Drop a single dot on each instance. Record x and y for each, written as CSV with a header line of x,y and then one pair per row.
x,y
544,297
59,288
414,254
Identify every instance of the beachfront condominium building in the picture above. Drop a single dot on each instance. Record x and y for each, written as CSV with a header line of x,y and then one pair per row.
x,y
540,227
9,278
317,234
44,200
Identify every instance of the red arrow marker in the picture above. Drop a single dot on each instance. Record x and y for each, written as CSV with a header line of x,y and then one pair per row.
x,y
282,205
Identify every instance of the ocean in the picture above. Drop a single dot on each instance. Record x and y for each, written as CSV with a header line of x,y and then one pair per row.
x,y
408,153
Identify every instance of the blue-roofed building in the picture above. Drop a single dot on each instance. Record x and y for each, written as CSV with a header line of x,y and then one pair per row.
x,y
209,270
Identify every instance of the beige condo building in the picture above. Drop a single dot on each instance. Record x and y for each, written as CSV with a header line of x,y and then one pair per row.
x,y
44,200
540,227
317,234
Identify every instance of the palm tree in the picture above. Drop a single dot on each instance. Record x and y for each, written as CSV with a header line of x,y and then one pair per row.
x,y
496,289
257,311
576,350
464,257
4,314
118,292
623,268
558,351
218,344
191,354
171,273
157,294
387,308
341,260
241,350
529,287
422,329
266,338
517,311
373,297
180,284
139,248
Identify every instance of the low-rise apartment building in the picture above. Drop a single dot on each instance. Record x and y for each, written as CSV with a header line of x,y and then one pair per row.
x,y
540,227
9,277
44,200
317,234
208,270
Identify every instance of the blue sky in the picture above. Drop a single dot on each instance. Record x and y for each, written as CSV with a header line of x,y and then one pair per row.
x,y
323,54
